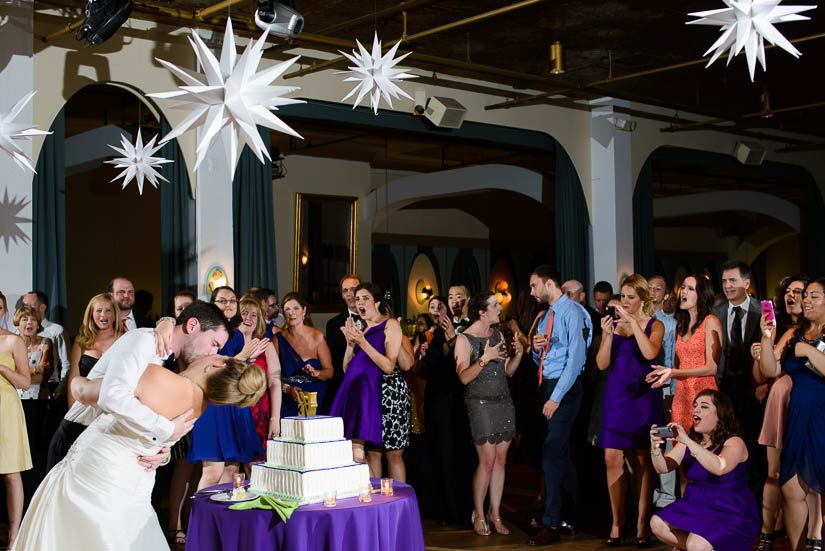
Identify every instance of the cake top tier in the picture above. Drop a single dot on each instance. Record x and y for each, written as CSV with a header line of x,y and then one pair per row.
x,y
320,428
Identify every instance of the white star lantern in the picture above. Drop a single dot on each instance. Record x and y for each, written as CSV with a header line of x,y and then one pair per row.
x,y
137,162
747,24
11,132
375,74
230,97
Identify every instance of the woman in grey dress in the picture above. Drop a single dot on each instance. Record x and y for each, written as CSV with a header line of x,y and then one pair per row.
x,y
483,366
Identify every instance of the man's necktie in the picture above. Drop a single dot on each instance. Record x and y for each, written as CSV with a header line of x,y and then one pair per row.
x,y
546,343
125,327
736,329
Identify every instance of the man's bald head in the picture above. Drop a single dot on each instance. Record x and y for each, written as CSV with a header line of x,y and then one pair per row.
x,y
574,290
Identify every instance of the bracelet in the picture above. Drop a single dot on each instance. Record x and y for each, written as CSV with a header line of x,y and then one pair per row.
x,y
166,318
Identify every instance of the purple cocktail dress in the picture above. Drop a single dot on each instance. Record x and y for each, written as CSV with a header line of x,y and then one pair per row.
x,y
631,406
358,400
721,509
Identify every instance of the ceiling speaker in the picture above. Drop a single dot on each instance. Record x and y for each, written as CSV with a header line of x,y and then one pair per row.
x,y
445,112
749,153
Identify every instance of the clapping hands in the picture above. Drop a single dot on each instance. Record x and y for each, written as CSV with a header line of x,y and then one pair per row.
x,y
352,333
659,376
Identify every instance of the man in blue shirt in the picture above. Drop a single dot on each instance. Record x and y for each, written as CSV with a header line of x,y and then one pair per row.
x,y
560,350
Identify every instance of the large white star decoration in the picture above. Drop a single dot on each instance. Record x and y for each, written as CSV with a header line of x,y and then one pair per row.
x,y
137,162
11,131
375,74
10,220
747,24
230,97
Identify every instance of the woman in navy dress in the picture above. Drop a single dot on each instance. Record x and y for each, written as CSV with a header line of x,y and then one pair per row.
x,y
369,355
306,365
717,510
802,475
630,405
224,436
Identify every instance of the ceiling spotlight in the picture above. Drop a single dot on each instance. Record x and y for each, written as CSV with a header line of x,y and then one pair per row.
x,y
556,58
282,20
103,18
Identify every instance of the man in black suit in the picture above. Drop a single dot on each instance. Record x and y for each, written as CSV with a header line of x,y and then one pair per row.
x,y
740,325
335,338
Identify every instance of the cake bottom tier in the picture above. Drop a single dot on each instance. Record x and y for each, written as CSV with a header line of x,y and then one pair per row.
x,y
309,486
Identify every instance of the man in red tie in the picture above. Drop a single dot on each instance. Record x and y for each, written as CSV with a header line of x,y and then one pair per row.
x,y
124,293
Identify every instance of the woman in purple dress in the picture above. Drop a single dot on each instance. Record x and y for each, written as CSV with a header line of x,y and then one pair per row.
x,y
717,511
630,343
369,355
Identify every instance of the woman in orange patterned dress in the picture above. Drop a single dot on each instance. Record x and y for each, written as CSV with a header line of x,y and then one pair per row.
x,y
698,348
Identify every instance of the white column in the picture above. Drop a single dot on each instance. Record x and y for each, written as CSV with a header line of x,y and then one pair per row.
x,y
612,194
16,80
213,215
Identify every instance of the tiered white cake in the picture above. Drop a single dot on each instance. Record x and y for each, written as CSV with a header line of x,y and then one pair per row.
x,y
309,458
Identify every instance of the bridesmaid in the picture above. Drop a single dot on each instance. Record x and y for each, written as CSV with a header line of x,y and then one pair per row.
x,y
306,364
698,348
14,453
369,355
630,406
717,510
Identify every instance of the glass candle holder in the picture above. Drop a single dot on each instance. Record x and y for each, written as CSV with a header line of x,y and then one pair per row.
x,y
330,498
238,480
386,486
366,494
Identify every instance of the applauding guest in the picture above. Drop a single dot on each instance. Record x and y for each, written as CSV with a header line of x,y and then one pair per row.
x,y
306,365
630,343
717,511
483,366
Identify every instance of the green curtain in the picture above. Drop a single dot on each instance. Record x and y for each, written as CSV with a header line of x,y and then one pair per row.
x,y
177,254
49,220
572,221
813,231
253,220
644,247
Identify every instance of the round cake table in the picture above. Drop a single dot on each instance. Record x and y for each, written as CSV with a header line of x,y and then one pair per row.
x,y
388,523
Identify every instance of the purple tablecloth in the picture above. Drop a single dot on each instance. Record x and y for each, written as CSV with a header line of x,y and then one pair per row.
x,y
386,524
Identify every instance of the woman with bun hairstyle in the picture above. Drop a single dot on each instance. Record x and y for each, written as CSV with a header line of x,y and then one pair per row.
x,y
630,343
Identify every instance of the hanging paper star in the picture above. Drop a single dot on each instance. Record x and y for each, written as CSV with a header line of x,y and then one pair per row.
x,y
10,220
229,97
747,24
137,162
11,131
375,74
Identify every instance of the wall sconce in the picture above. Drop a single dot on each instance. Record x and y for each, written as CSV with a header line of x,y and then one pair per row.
x,y
215,277
556,58
423,291
502,292
304,258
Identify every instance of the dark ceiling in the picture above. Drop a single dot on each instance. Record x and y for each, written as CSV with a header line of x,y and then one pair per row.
x,y
605,41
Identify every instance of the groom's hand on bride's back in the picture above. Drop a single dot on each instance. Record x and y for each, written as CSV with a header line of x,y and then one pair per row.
x,y
152,462
183,424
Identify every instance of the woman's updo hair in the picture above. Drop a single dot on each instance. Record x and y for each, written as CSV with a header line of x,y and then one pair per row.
x,y
478,303
377,296
237,384
640,285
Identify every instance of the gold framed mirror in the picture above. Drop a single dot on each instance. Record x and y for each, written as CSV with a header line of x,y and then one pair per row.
x,y
326,247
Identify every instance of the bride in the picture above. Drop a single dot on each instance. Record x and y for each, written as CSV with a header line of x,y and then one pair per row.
x,y
98,497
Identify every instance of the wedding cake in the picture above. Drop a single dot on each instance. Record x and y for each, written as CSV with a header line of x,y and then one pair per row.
x,y
310,458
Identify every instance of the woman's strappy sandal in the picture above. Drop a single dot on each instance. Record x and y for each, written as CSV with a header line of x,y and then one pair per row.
x,y
480,525
498,525
766,541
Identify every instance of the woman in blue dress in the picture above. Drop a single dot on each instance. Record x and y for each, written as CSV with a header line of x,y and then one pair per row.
x,y
224,436
306,364
802,474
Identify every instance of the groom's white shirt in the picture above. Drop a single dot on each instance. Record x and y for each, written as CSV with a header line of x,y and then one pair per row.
x,y
120,367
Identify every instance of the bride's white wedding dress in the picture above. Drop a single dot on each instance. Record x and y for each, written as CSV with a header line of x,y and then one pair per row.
x,y
97,498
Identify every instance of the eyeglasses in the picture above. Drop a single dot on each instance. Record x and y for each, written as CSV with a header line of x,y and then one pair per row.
x,y
225,301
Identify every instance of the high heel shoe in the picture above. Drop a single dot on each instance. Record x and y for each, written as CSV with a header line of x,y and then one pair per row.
x,y
766,542
814,545
498,525
613,542
480,525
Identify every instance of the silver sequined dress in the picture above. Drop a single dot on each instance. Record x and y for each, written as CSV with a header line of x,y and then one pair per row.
x,y
487,397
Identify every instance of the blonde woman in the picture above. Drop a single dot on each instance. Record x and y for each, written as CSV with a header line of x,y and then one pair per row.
x,y
101,326
630,343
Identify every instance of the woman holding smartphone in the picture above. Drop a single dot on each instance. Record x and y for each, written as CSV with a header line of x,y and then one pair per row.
x,y
629,344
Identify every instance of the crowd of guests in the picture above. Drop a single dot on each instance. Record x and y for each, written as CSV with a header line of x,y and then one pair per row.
x,y
704,404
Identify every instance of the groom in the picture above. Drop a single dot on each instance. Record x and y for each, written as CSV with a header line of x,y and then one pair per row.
x,y
201,330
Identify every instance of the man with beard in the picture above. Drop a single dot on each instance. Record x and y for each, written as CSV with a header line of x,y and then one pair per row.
x,y
202,330
124,294
335,337
560,350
